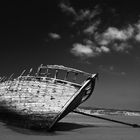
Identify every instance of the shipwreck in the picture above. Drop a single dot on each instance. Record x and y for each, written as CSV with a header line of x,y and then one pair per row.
x,y
44,98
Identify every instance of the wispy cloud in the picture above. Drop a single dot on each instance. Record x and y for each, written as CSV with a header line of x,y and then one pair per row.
x,y
87,14
67,8
54,36
82,14
90,30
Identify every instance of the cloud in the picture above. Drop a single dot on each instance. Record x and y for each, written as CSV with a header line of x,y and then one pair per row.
x,y
82,14
88,50
113,33
68,9
114,39
137,36
92,28
96,41
105,49
82,50
98,49
88,42
121,47
54,36
87,14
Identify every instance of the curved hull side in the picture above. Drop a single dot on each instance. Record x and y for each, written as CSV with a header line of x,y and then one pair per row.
x,y
75,101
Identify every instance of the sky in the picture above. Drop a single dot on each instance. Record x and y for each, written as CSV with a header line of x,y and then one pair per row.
x,y
91,35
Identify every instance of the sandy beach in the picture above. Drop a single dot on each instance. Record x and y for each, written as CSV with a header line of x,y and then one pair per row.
x,y
77,127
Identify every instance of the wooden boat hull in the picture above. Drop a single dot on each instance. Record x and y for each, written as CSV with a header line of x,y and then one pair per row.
x,y
39,102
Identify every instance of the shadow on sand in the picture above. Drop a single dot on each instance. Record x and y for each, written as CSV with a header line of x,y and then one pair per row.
x,y
21,125
59,127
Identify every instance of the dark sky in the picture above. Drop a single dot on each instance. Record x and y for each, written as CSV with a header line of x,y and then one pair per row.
x,y
92,35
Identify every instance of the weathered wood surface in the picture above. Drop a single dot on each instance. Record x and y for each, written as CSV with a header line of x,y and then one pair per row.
x,y
35,97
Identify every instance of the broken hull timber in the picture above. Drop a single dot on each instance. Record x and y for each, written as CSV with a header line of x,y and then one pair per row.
x,y
42,102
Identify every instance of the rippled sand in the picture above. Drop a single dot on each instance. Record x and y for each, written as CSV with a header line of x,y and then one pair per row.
x,y
77,127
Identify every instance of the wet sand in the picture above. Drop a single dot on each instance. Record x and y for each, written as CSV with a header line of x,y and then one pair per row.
x,y
77,127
